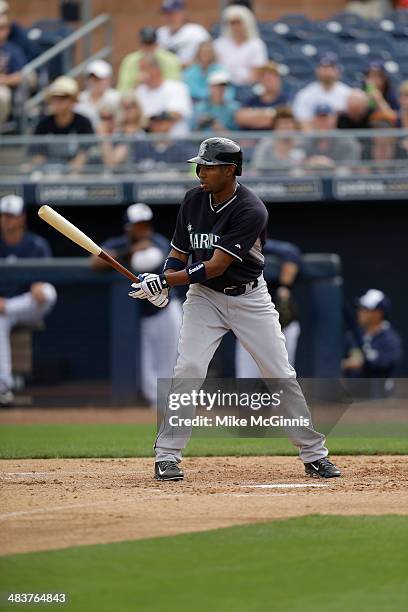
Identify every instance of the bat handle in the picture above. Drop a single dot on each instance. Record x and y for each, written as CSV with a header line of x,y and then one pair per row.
x,y
115,264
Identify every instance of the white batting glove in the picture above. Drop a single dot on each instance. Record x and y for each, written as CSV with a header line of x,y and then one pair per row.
x,y
138,292
153,284
161,299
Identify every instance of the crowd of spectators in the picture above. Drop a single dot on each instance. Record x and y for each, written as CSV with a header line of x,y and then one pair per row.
x,y
179,80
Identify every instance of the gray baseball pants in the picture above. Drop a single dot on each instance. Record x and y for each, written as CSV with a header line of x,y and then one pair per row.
x,y
207,316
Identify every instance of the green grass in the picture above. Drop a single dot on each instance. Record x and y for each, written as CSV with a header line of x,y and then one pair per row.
x,y
119,440
308,564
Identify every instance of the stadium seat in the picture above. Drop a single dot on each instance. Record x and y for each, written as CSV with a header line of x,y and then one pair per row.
x,y
299,67
48,33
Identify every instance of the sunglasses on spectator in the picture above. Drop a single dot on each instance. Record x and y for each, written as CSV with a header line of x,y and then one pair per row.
x,y
129,106
60,97
107,117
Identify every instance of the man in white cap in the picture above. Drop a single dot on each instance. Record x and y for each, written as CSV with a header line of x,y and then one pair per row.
x,y
374,349
62,95
218,112
178,35
98,92
19,304
143,249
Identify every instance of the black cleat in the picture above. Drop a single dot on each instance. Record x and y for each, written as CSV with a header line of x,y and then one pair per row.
x,y
167,470
322,468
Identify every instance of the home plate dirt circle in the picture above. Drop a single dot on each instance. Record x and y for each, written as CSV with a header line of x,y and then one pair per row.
x,y
55,503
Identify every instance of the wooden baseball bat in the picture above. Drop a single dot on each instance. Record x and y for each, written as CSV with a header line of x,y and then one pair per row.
x,y
62,225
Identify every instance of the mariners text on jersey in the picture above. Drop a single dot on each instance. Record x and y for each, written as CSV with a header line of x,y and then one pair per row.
x,y
236,226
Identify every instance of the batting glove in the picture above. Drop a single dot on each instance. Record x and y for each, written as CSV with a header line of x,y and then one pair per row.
x,y
161,299
149,286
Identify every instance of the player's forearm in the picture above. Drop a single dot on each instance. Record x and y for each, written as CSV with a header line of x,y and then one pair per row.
x,y
182,277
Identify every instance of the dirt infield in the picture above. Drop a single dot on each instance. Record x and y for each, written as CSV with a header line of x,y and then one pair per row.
x,y
55,503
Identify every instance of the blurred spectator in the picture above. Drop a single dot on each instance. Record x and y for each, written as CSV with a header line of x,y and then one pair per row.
x,y
62,96
379,89
280,153
325,151
179,36
158,95
403,102
12,61
385,152
18,36
240,50
326,90
19,304
98,91
129,72
216,113
258,110
142,249
164,153
375,350
357,114
369,9
128,122
196,75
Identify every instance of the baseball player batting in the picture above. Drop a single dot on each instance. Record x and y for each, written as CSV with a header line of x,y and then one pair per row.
x,y
221,226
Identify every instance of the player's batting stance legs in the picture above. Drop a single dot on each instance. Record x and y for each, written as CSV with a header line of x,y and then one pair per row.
x,y
222,226
208,315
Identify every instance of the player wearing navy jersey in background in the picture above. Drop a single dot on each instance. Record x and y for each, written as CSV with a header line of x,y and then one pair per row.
x,y
374,350
143,249
221,225
19,304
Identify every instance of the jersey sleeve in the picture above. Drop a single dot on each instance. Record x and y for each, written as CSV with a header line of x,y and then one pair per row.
x,y
244,232
181,238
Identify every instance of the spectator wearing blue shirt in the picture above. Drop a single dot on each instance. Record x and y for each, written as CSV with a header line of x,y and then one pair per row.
x,y
18,36
196,75
218,112
12,60
19,304
375,349
258,110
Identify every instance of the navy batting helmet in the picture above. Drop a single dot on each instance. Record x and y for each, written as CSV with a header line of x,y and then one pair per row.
x,y
219,152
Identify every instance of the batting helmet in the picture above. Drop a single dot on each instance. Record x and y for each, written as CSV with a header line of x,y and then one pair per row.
x,y
219,152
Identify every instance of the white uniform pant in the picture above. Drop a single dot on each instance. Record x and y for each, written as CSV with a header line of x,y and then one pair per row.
x,y
252,317
20,310
245,366
159,338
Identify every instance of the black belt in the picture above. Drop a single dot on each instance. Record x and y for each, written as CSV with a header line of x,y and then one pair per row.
x,y
240,289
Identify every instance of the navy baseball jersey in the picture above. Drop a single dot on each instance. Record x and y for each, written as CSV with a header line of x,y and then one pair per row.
x,y
122,245
236,226
31,245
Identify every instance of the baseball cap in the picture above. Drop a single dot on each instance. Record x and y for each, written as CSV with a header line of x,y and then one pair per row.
x,y
323,109
99,68
164,116
329,59
376,65
12,204
136,213
219,77
374,299
63,86
148,35
170,6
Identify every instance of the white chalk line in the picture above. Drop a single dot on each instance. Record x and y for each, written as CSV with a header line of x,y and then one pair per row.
x,y
291,485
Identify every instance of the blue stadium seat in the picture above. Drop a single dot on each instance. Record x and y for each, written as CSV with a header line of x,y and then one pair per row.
x,y
47,33
299,67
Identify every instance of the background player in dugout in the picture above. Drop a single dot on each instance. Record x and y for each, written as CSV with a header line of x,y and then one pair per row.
x,y
143,249
19,304
221,225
